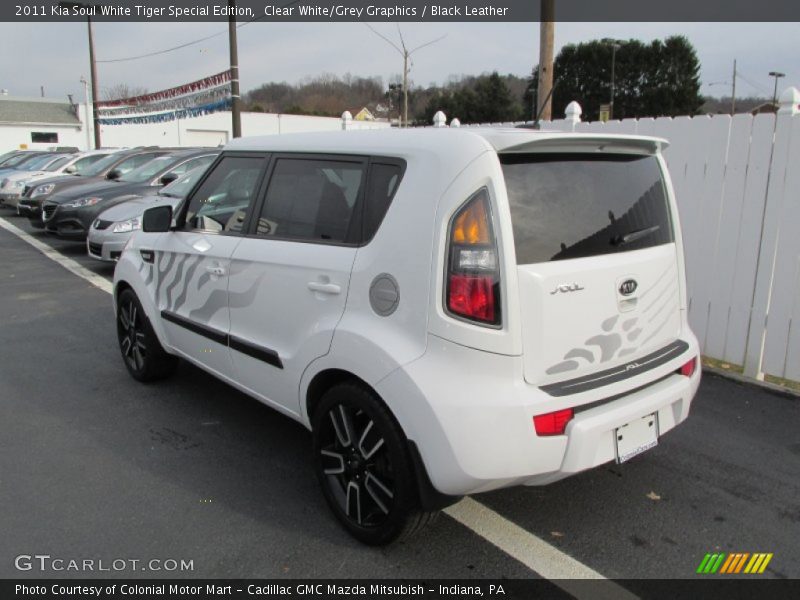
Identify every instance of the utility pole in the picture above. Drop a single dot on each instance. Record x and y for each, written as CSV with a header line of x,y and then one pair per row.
x,y
95,87
733,90
405,86
544,88
92,66
406,54
236,107
614,47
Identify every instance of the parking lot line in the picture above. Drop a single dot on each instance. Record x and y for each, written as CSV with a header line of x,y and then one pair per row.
x,y
535,553
54,255
520,544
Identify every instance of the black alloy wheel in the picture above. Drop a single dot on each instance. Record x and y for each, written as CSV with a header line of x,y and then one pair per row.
x,y
144,356
363,465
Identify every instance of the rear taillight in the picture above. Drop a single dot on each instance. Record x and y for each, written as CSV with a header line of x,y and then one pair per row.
x,y
688,369
473,275
553,423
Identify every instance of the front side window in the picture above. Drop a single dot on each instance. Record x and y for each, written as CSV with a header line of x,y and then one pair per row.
x,y
311,200
222,201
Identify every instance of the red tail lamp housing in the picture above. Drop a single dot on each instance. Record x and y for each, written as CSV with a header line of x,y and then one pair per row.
x,y
473,274
554,423
688,369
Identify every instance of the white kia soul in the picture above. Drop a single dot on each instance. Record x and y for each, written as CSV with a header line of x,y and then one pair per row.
x,y
449,311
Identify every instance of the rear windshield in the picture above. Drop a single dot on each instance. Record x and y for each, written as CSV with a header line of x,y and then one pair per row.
x,y
577,205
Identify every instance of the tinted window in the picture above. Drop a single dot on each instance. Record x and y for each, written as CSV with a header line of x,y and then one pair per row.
x,y
134,162
38,137
83,163
576,205
383,182
59,162
149,170
202,161
311,199
222,201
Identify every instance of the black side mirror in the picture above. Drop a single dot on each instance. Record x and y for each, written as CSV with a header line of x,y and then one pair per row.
x,y
168,178
114,174
157,219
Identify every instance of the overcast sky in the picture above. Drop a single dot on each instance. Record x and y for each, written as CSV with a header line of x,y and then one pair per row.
x,y
55,55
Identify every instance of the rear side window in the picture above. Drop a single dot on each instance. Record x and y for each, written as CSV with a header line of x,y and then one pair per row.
x,y
311,200
577,205
381,187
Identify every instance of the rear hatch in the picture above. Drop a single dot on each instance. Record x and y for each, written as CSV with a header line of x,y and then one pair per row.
x,y
597,265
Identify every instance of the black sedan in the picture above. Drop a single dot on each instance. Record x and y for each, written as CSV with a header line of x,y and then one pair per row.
x,y
69,214
108,168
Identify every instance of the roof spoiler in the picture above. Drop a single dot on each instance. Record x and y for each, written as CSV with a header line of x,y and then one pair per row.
x,y
625,144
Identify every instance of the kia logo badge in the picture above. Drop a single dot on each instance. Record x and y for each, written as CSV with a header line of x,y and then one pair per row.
x,y
627,287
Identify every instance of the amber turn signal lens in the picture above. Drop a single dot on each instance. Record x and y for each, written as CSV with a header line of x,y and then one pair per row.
x,y
472,224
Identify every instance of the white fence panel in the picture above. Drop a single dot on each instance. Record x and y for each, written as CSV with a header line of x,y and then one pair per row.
x,y
785,185
749,238
730,225
768,244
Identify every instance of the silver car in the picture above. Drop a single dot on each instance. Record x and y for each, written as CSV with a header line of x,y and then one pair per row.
x,y
110,231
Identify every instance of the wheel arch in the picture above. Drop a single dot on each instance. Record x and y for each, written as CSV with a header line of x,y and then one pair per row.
x,y
430,498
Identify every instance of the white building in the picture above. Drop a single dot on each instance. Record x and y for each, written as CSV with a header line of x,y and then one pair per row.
x,y
39,123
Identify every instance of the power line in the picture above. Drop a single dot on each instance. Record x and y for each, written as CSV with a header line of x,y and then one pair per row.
x,y
757,86
192,43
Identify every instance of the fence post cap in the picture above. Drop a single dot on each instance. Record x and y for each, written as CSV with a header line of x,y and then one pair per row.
x,y
439,119
573,112
789,102
455,123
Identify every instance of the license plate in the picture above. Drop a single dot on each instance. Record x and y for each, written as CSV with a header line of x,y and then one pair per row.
x,y
636,437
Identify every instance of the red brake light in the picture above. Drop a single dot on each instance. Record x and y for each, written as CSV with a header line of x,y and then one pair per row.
x,y
473,277
472,296
553,423
687,370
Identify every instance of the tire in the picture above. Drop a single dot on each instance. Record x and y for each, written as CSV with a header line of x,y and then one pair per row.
x,y
363,465
142,353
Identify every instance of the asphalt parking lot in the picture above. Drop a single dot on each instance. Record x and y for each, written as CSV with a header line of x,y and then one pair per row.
x,y
93,464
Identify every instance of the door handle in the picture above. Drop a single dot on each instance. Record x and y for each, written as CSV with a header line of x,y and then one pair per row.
x,y
324,288
218,271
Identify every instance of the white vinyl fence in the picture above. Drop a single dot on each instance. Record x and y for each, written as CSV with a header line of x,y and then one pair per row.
x,y
737,182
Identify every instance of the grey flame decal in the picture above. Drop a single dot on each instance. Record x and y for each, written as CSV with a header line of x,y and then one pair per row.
x,y
611,343
219,299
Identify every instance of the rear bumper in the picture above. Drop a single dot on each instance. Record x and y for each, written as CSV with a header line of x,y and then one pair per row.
x,y
471,415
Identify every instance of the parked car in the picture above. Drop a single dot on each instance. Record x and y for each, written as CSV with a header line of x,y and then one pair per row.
x,y
448,311
26,162
108,168
13,182
70,213
111,230
16,157
13,186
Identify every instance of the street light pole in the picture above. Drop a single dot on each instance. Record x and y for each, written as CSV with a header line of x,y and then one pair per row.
x,y
777,75
86,111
